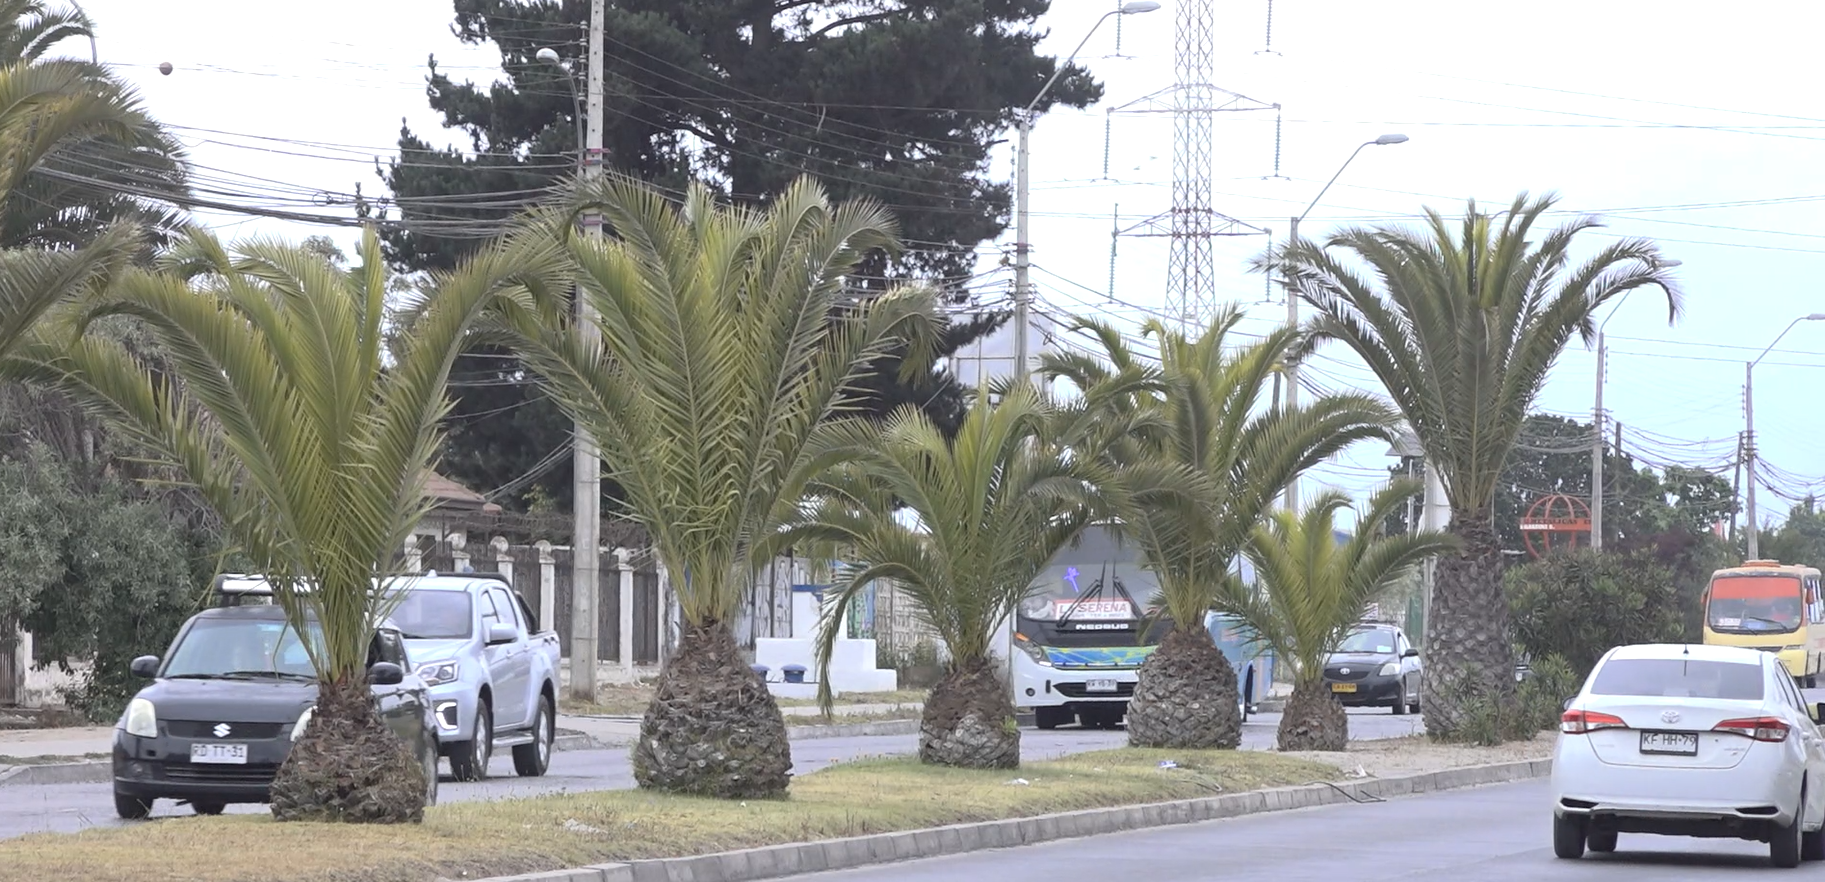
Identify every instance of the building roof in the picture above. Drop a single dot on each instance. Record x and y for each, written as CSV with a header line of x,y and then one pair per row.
x,y
450,495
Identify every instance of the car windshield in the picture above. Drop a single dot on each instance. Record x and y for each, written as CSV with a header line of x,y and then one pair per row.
x,y
1751,604
242,648
434,615
1679,678
1371,640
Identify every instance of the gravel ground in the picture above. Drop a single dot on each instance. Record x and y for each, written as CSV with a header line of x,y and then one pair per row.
x,y
1411,756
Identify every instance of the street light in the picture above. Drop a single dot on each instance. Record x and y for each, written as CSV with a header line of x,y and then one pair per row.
x,y
1023,160
1597,421
550,56
1749,426
1291,499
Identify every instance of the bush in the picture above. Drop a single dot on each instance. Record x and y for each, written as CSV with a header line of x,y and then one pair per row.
x,y
1579,604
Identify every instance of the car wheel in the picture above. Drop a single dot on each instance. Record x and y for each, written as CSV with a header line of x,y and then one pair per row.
x,y
469,762
1400,699
207,808
1601,841
431,775
1784,841
1568,837
1812,845
531,760
131,808
1049,717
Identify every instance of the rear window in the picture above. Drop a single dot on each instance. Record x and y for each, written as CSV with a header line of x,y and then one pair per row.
x,y
1679,678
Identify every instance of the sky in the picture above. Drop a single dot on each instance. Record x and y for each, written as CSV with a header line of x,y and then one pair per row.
x,y
1667,120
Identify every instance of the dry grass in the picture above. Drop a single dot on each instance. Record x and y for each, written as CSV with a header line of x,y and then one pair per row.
x,y
630,700
473,840
1389,757
49,759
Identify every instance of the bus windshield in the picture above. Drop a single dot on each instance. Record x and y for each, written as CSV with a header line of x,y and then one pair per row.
x,y
1088,592
1754,604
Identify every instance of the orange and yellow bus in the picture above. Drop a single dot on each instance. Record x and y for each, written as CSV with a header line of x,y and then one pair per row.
x,y
1772,607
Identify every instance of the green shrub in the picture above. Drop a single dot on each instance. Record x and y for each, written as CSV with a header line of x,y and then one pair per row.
x,y
1579,604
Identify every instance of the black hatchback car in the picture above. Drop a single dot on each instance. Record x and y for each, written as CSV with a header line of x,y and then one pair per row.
x,y
227,701
1375,666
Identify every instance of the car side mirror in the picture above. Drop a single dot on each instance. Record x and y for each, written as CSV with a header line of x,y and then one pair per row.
x,y
1818,712
145,666
1410,653
501,632
386,674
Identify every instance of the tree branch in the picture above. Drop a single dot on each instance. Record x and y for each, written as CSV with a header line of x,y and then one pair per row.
x,y
855,19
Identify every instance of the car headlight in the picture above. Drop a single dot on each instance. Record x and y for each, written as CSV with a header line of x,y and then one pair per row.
x,y
1039,608
438,673
1033,650
304,720
141,719
1390,669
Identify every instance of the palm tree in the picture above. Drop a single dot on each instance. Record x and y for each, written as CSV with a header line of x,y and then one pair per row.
x,y
1461,327
1312,590
983,514
1206,423
720,360
295,426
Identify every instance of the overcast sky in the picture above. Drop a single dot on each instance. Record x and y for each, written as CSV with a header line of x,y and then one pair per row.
x,y
1702,130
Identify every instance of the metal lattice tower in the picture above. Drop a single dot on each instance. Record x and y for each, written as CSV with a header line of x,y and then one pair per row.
x,y
1194,100
1191,279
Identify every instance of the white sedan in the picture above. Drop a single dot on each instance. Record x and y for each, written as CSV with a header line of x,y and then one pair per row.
x,y
1710,741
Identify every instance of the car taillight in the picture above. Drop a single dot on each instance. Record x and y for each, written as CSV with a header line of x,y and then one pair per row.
x,y
1579,722
1759,728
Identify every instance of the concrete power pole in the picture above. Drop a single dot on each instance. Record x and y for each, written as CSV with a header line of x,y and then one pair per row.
x,y
586,492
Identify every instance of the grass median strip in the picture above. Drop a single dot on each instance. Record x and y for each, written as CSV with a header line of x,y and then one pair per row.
x,y
473,840
623,700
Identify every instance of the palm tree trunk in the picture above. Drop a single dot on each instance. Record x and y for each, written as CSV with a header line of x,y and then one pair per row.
x,y
1186,697
713,729
968,721
348,766
1469,657
1313,720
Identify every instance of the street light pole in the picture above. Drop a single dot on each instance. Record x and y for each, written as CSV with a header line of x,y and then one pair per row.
x,y
1023,159
586,459
1291,498
1749,453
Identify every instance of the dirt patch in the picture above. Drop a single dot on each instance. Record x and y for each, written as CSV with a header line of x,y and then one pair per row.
x,y
1394,757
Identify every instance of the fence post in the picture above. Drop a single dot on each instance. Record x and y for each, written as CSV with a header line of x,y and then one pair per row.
x,y
662,608
548,585
414,557
459,554
624,586
503,557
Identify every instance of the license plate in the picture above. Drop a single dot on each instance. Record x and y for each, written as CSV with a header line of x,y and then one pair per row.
x,y
225,754
1670,743
1343,687
1100,686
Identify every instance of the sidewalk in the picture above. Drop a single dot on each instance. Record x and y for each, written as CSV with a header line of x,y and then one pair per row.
x,y
76,742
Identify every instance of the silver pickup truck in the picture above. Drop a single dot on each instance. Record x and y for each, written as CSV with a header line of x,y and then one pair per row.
x,y
492,672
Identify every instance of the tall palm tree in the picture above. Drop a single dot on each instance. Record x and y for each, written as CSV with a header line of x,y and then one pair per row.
x,y
292,422
1207,422
723,352
982,516
1313,590
1461,325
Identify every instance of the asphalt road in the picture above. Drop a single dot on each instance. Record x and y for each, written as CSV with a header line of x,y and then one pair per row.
x,y
68,808
1489,834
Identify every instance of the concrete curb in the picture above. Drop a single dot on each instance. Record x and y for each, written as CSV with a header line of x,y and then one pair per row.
x,y
842,854
102,771
853,730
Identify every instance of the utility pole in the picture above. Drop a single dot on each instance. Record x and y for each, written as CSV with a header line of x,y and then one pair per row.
x,y
1597,451
1749,429
586,491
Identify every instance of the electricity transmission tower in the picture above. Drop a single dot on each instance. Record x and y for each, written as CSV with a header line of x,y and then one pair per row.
x,y
1194,100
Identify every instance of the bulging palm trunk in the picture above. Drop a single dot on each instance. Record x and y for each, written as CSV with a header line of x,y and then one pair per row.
x,y
1186,698
968,721
1313,720
1469,658
348,766
713,729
